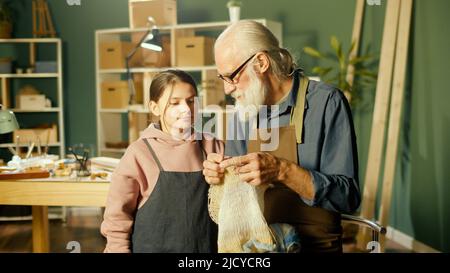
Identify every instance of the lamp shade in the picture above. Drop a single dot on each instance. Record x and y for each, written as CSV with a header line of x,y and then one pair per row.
x,y
8,122
152,41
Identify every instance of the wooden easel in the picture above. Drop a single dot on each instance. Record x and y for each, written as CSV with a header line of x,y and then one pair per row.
x,y
356,38
349,230
42,21
394,52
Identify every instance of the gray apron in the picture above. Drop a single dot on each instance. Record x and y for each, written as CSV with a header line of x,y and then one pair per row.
x,y
175,217
319,229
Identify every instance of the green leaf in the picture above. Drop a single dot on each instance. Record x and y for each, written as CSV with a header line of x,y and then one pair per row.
x,y
331,57
361,59
322,71
336,45
313,52
366,73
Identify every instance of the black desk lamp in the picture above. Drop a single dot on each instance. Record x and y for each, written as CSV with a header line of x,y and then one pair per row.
x,y
151,41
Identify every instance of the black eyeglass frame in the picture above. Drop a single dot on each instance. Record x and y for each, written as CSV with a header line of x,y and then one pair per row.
x,y
229,79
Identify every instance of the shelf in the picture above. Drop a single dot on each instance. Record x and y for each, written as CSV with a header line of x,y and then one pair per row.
x,y
157,69
31,40
113,150
124,110
196,26
139,108
53,109
30,75
130,30
6,145
9,86
204,26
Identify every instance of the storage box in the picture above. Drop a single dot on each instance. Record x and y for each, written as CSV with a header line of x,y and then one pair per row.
x,y
195,51
212,91
115,94
213,94
47,135
33,102
5,66
163,11
46,67
113,54
149,58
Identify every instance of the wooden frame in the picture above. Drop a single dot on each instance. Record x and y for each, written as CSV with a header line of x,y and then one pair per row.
x,y
379,116
356,37
394,52
396,109
42,21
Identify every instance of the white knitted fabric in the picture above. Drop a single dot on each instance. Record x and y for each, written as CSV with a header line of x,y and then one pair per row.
x,y
237,207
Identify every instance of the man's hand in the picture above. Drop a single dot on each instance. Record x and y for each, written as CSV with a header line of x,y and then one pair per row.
x,y
211,170
255,168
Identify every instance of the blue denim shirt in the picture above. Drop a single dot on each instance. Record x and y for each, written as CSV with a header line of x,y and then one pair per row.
x,y
328,150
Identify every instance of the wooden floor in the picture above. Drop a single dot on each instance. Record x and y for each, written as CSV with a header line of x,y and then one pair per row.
x,y
83,225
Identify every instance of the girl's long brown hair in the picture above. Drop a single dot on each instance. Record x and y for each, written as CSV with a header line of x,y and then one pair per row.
x,y
169,78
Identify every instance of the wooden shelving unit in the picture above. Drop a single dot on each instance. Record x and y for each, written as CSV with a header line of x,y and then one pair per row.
x,y
58,108
110,121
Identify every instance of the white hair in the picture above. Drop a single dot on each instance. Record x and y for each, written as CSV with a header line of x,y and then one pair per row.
x,y
247,37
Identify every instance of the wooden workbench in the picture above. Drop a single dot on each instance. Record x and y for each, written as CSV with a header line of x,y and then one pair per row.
x,y
41,193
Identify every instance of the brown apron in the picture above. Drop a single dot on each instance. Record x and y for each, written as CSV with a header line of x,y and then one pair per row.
x,y
319,229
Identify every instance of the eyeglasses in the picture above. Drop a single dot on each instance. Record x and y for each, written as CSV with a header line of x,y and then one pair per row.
x,y
229,79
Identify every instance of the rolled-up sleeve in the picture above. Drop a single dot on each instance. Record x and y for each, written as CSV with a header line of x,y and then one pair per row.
x,y
336,182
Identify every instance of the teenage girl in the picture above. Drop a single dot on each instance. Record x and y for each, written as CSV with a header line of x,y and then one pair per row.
x,y
157,200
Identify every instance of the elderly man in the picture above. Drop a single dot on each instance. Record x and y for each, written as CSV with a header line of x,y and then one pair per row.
x,y
312,193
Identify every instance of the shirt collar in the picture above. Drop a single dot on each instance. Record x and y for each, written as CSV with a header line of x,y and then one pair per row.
x,y
291,99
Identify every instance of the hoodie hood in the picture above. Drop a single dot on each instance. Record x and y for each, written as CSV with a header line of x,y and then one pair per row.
x,y
153,131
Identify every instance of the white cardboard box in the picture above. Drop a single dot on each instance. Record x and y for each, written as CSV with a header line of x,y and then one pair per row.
x,y
31,102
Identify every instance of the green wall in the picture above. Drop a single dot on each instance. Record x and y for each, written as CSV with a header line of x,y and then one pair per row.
x,y
419,207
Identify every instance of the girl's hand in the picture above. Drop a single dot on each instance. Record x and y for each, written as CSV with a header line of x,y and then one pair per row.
x,y
211,170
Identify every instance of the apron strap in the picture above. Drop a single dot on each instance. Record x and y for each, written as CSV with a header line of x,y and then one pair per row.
x,y
154,155
298,111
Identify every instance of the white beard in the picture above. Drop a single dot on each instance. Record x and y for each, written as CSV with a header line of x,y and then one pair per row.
x,y
252,98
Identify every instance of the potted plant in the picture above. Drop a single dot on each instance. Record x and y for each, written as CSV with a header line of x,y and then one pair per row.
x,y
6,20
234,10
336,72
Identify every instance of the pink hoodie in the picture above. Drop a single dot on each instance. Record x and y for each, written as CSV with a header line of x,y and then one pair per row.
x,y
134,179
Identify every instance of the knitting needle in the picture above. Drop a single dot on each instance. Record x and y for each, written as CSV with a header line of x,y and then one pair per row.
x,y
12,150
47,142
30,150
39,147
